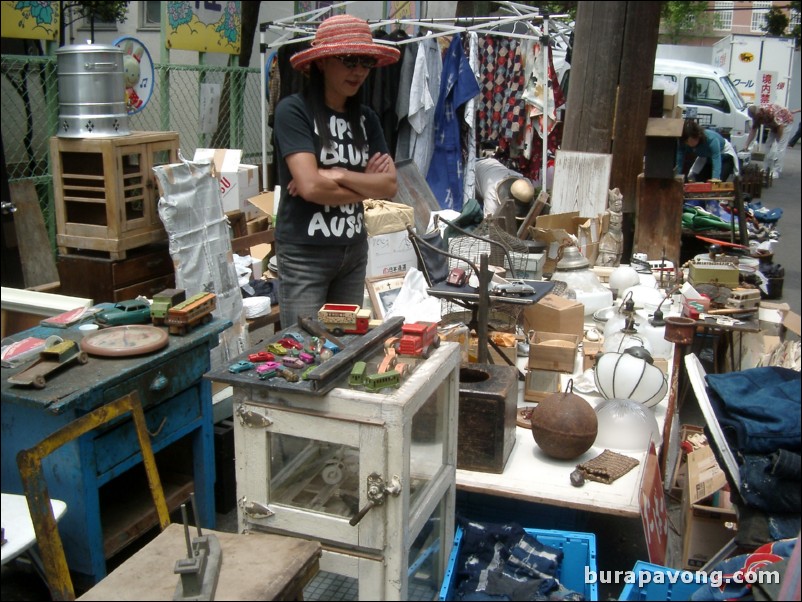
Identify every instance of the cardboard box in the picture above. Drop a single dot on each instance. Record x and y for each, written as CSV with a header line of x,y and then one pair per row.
x,y
238,181
262,204
679,476
390,254
555,314
590,349
567,228
706,527
553,351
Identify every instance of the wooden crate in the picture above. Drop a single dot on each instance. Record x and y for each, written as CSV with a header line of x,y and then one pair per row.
x,y
105,191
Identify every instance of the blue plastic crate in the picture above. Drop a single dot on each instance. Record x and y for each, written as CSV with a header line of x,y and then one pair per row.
x,y
579,551
679,590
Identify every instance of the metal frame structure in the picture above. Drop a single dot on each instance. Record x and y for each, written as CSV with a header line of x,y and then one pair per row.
x,y
305,24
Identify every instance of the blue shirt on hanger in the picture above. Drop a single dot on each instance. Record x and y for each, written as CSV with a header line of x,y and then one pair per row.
x,y
457,86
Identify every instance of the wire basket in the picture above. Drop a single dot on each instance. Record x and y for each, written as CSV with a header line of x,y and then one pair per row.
x,y
502,316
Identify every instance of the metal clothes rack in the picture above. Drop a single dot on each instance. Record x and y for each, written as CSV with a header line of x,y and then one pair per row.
x,y
306,23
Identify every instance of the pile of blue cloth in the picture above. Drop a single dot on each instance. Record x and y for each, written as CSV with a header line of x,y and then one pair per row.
x,y
504,562
759,412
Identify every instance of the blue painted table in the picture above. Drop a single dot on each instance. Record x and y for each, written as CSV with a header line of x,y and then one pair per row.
x,y
98,475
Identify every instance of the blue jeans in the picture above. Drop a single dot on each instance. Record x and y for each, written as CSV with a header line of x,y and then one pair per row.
x,y
313,275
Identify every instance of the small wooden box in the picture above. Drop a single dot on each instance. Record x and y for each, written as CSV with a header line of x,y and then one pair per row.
x,y
540,384
488,396
553,351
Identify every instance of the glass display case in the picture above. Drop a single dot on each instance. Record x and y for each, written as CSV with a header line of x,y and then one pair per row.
x,y
369,474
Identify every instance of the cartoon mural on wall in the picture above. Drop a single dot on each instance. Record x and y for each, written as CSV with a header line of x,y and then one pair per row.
x,y
30,20
204,26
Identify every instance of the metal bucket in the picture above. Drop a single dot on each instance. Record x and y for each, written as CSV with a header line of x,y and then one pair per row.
x,y
91,92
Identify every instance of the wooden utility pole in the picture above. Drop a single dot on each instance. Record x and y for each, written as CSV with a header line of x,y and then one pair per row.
x,y
609,96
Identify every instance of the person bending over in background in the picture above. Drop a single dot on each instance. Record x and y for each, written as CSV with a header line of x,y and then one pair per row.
x,y
778,120
715,156
332,156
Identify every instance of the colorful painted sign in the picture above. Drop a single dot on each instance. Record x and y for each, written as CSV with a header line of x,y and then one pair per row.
x,y
204,26
30,20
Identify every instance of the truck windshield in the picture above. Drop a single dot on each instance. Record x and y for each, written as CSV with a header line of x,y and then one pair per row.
x,y
732,92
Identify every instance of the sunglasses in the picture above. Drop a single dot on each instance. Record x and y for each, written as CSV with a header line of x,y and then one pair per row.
x,y
350,61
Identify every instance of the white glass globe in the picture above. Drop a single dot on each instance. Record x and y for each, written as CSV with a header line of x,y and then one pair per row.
x,y
626,425
627,376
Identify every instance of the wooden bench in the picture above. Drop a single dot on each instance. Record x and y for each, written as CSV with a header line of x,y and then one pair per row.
x,y
256,566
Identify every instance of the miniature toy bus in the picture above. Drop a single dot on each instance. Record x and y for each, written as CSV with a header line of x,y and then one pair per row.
x,y
195,310
376,382
357,376
344,318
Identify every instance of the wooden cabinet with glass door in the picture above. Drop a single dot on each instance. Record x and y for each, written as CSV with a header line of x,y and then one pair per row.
x,y
105,192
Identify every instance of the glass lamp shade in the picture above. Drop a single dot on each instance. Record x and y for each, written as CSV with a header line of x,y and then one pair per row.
x,y
574,271
630,375
623,277
625,424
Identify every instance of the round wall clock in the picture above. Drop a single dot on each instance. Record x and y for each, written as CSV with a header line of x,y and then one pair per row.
x,y
122,341
138,73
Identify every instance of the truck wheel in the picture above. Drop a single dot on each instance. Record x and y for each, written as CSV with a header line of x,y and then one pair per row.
x,y
338,332
436,341
425,353
39,381
83,357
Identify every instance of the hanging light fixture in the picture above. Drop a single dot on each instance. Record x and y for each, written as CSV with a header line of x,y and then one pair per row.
x,y
630,375
574,270
618,337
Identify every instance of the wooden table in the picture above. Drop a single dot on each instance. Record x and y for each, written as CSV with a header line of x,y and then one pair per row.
x,y
532,476
256,566
99,475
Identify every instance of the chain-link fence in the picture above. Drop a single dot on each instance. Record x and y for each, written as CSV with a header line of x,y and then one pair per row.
x,y
29,104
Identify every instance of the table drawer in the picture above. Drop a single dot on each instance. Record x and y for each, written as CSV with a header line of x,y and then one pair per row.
x,y
120,442
143,267
161,383
146,289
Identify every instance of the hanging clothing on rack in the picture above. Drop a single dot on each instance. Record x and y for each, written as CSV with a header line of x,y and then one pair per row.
x,y
471,40
423,95
408,60
501,108
457,86
381,89
538,96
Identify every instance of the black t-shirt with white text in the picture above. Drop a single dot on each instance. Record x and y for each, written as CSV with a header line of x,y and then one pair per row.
x,y
299,221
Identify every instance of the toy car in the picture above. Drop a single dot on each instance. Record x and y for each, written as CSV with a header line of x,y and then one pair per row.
x,y
514,287
306,358
267,367
266,374
293,362
290,343
457,277
51,359
241,366
261,356
132,311
277,348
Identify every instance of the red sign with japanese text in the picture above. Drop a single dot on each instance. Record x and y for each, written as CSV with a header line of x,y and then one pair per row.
x,y
653,511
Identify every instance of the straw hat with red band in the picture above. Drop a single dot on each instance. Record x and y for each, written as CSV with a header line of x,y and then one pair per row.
x,y
343,35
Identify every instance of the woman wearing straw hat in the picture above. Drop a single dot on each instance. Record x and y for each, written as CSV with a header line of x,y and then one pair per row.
x,y
332,157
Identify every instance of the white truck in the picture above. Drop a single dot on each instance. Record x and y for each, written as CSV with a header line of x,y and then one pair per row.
x,y
760,67
707,95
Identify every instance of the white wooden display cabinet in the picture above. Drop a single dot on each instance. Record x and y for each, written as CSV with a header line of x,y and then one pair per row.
x,y
308,465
